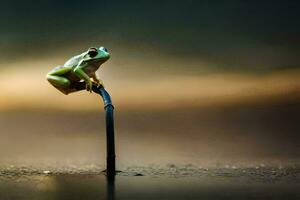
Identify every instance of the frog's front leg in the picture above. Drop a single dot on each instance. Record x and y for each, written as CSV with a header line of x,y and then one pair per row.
x,y
78,71
97,80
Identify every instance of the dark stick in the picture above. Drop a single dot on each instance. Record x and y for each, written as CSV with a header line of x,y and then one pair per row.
x,y
110,135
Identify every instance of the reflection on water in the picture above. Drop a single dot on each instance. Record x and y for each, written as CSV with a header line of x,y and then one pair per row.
x,y
110,191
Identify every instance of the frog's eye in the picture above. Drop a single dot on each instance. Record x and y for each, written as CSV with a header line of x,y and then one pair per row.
x,y
103,49
92,52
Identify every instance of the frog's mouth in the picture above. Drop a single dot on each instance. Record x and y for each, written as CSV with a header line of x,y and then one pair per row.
x,y
99,60
103,59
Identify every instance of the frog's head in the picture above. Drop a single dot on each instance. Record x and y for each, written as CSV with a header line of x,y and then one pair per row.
x,y
94,54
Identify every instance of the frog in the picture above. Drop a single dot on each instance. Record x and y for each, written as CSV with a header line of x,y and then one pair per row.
x,y
79,72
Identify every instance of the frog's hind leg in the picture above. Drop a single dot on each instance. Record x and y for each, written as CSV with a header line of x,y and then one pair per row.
x,y
64,85
57,78
60,83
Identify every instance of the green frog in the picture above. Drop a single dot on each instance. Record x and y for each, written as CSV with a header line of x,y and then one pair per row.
x,y
78,73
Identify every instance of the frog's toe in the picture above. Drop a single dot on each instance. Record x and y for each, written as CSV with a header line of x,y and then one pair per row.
x,y
98,84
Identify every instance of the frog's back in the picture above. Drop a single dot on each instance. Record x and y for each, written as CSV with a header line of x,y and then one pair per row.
x,y
73,62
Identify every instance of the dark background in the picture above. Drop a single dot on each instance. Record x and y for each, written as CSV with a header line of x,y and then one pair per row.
x,y
233,35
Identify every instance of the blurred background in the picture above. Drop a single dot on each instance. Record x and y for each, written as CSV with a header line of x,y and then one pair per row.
x,y
208,83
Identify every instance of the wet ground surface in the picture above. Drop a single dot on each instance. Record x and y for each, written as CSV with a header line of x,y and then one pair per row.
x,y
249,152
263,173
151,182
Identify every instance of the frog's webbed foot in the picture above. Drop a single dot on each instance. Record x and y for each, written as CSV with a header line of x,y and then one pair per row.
x,y
98,83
